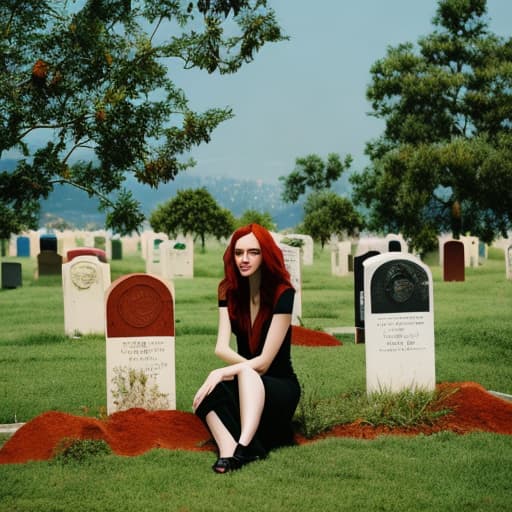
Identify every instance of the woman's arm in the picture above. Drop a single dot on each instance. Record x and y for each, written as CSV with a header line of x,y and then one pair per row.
x,y
223,348
275,337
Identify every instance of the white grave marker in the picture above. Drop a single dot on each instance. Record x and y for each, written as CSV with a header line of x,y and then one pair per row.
x,y
399,323
84,282
292,261
140,344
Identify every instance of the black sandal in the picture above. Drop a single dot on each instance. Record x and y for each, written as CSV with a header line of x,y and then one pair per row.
x,y
241,457
244,455
222,465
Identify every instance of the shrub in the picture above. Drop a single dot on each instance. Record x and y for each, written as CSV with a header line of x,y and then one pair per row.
x,y
79,450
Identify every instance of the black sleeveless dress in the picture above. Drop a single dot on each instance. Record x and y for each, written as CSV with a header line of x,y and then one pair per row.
x,y
282,389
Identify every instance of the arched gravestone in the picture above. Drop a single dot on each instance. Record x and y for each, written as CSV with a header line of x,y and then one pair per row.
x,y
359,293
399,323
140,343
453,261
85,280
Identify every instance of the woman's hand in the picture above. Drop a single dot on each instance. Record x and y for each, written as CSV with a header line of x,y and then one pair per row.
x,y
209,384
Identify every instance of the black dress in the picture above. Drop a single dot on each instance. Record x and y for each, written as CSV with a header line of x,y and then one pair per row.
x,y
282,389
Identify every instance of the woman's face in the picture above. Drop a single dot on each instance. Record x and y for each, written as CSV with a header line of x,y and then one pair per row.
x,y
248,257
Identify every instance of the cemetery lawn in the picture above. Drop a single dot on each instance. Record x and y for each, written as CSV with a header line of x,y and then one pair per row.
x,y
43,370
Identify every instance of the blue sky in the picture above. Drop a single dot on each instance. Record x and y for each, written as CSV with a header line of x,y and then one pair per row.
x,y
307,95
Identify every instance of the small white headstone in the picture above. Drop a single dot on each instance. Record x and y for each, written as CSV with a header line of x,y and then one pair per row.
x,y
508,262
340,258
293,265
399,323
177,257
471,256
84,282
307,248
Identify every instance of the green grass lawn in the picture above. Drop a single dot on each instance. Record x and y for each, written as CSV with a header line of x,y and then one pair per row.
x,y
41,370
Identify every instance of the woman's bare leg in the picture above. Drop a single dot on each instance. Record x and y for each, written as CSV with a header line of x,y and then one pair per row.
x,y
252,399
225,442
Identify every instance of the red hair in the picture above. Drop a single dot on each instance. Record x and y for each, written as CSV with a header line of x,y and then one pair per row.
x,y
235,288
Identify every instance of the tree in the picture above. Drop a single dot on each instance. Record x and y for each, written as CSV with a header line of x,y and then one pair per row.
x,y
195,212
312,173
443,162
253,216
86,98
326,213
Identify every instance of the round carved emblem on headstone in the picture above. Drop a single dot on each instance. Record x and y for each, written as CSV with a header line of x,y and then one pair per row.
x,y
83,275
400,283
398,286
140,306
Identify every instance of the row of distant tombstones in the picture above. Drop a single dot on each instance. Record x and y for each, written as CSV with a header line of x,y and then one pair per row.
x,y
393,302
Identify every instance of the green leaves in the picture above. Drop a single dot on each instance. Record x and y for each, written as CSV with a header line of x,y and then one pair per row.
x,y
447,106
326,213
90,82
311,172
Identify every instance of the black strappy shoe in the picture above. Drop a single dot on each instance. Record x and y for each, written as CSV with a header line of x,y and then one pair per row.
x,y
244,455
222,465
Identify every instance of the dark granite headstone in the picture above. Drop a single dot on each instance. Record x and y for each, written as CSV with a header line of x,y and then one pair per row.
x,y
11,275
359,293
394,246
48,243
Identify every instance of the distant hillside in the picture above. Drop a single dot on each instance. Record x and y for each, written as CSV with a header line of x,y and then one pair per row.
x,y
237,195
75,207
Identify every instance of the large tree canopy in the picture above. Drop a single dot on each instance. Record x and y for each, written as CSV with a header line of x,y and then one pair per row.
x,y
444,160
86,97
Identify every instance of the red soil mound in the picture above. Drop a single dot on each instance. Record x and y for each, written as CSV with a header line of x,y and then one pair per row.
x,y
136,431
473,410
310,338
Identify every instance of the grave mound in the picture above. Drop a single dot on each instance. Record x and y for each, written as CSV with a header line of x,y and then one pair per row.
x,y
136,431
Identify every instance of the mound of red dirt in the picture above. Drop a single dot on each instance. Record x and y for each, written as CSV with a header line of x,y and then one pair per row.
x,y
136,431
311,338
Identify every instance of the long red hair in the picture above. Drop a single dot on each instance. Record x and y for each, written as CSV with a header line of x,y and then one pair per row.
x,y
235,288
